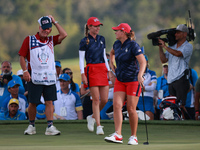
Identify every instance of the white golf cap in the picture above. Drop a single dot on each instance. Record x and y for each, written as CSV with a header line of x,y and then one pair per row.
x,y
20,72
182,27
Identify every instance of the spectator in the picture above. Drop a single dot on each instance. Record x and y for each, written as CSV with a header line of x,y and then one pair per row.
x,y
58,72
5,77
190,96
13,88
13,112
73,86
178,57
150,81
40,73
161,90
68,104
197,98
40,114
86,99
20,74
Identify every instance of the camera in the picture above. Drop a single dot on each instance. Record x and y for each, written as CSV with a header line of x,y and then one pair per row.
x,y
7,76
170,35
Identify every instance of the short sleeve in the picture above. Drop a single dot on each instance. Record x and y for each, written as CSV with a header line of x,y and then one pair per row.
x,y
82,45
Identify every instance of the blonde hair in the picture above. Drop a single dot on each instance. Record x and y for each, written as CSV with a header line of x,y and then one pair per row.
x,y
131,35
86,34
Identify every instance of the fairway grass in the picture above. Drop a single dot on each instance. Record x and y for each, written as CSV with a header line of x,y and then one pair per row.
x,y
75,136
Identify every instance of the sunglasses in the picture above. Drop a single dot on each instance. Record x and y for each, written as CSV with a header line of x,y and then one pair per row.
x,y
70,73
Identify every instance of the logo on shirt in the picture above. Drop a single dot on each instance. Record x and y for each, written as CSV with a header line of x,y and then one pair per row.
x,y
101,42
139,50
43,56
126,50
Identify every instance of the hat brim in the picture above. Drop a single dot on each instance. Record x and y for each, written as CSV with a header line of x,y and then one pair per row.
x,y
63,79
13,85
40,116
96,24
58,65
46,26
116,28
13,103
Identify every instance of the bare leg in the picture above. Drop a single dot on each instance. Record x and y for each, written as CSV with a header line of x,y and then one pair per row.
x,y
32,111
49,110
95,103
103,96
118,101
133,117
150,114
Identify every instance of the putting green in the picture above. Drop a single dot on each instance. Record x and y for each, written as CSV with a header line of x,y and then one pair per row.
x,y
165,135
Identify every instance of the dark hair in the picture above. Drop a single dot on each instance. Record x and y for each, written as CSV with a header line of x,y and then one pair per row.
x,y
6,61
72,82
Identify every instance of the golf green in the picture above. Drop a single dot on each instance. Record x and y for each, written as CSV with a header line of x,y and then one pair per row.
x,y
165,135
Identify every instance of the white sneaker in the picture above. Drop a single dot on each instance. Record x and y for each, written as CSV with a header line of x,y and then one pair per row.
x,y
52,131
30,130
115,138
133,141
100,130
90,123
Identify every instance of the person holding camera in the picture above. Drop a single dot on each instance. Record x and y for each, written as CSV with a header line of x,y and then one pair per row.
x,y
5,77
178,57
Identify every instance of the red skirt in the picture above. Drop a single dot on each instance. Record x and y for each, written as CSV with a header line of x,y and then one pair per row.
x,y
96,75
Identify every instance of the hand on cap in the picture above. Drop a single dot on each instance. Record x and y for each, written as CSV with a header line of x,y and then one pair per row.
x,y
52,18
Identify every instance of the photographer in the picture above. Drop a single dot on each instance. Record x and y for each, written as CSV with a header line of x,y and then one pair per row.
x,y
178,57
5,77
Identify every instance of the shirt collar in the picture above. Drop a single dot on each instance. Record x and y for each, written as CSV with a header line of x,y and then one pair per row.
x,y
38,37
67,93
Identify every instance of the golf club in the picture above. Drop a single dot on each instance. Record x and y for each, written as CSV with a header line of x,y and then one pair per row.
x,y
145,143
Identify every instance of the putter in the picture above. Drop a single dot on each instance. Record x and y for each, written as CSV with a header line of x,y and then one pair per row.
x,y
145,143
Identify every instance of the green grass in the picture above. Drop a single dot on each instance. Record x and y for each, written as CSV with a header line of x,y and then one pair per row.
x,y
163,135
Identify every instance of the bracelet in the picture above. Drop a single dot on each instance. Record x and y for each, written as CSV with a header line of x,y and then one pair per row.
x,y
55,22
197,112
25,71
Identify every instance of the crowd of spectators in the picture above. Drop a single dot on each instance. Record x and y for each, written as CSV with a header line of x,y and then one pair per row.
x,y
75,102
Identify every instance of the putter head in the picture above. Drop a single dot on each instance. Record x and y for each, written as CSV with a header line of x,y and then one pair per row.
x,y
146,143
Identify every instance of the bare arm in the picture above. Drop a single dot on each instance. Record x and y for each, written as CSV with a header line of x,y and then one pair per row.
x,y
62,32
80,115
142,63
26,74
171,51
112,59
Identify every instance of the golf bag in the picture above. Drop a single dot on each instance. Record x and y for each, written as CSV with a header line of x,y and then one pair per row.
x,y
169,109
125,114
